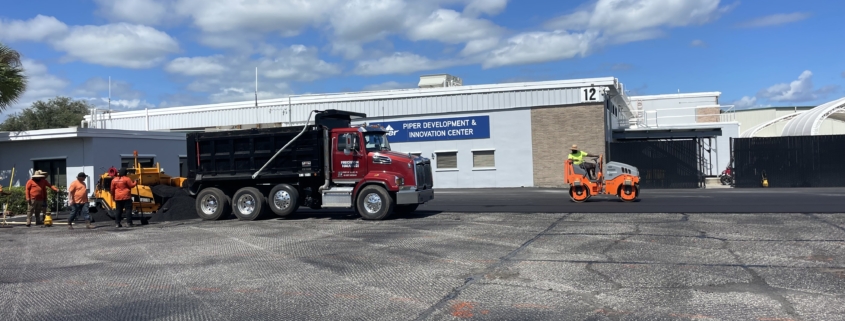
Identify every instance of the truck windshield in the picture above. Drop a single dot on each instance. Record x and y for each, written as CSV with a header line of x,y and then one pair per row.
x,y
376,141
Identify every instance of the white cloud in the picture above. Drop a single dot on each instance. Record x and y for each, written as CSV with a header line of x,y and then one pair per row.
x,y
285,17
197,66
745,102
147,12
450,27
490,7
232,77
399,63
481,45
40,28
120,45
598,24
796,91
538,47
698,43
233,94
99,87
774,20
624,16
388,86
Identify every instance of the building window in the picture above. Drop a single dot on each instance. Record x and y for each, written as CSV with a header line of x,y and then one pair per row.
x,y
447,160
183,166
56,170
129,162
483,159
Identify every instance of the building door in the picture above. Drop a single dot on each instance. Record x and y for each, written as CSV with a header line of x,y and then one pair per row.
x,y
348,168
183,166
56,170
662,164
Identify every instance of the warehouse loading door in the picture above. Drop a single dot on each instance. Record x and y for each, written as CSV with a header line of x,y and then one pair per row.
x,y
662,164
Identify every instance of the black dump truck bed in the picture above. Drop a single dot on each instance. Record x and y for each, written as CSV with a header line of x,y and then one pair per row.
x,y
238,154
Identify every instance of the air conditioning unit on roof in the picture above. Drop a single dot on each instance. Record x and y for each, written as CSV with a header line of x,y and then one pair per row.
x,y
441,80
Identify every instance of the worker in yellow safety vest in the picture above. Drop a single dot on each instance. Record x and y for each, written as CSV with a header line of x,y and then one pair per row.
x,y
577,157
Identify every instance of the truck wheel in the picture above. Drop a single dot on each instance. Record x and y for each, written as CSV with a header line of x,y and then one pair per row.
x,y
406,209
283,200
248,204
374,203
212,204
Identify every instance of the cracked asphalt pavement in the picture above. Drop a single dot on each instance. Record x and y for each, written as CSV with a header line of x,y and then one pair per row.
x,y
434,265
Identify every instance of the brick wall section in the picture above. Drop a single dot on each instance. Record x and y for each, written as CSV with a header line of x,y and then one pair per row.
x,y
555,129
707,115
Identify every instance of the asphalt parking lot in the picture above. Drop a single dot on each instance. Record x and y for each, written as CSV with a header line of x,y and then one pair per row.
x,y
434,265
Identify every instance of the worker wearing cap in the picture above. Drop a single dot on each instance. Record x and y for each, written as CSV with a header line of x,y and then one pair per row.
x,y
36,196
121,190
577,157
78,195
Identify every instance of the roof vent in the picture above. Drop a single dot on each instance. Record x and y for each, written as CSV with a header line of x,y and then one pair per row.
x,y
441,80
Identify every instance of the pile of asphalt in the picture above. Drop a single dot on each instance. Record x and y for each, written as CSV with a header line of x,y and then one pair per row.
x,y
177,204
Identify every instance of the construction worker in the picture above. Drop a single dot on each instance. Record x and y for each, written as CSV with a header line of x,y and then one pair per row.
x,y
121,189
78,195
36,196
577,157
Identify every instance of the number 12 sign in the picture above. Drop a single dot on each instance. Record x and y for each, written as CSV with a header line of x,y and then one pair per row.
x,y
591,94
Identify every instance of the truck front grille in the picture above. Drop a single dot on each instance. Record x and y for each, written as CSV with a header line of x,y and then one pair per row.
x,y
422,170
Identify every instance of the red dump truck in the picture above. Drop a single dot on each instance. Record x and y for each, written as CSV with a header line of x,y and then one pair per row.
x,y
327,164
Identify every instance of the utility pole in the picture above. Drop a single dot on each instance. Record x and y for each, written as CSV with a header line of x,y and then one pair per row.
x,y
256,86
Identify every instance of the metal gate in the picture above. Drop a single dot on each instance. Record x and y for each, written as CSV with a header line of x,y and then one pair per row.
x,y
662,164
795,161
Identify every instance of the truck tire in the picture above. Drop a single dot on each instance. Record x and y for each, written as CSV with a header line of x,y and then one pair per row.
x,y
212,204
374,203
406,209
283,200
249,204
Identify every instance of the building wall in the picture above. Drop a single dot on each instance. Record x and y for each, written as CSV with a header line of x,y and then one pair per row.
x,y
106,152
510,138
555,129
21,154
93,156
666,110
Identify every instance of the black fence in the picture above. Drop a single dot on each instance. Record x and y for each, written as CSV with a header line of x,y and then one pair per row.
x,y
797,161
662,164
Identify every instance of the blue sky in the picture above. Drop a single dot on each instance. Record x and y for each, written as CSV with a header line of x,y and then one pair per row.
x,y
162,53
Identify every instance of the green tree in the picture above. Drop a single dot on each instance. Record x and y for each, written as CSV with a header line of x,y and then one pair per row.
x,y
12,78
59,112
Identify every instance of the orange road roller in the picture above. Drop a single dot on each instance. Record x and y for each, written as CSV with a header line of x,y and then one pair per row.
x,y
614,178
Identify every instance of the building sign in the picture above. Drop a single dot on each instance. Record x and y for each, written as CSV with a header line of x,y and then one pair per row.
x,y
420,130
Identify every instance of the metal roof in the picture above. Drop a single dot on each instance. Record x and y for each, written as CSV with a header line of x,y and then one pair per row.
x,y
671,133
294,110
753,130
670,96
86,133
808,122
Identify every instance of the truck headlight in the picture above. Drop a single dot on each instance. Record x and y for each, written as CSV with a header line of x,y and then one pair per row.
x,y
400,181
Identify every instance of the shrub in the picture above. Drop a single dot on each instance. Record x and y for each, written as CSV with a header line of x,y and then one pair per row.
x,y
17,201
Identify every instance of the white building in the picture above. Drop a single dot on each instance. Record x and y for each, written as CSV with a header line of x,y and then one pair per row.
x,y
63,153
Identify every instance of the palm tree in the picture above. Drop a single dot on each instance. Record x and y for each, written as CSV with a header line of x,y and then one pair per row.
x,y
12,78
